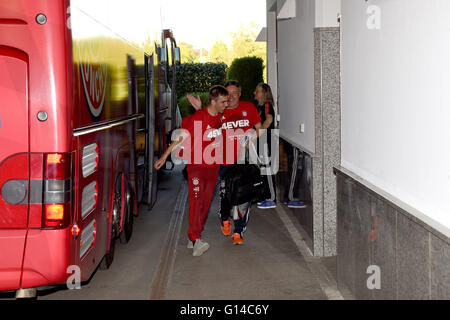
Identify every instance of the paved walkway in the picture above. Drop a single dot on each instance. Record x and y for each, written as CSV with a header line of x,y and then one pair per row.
x,y
272,264
268,266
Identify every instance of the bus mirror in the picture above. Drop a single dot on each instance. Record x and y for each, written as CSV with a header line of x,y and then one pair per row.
x,y
177,56
163,55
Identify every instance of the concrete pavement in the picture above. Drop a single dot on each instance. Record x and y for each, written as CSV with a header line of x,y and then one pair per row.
x,y
272,264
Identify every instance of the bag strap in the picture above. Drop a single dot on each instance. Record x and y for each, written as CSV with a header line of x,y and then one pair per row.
x,y
252,153
252,150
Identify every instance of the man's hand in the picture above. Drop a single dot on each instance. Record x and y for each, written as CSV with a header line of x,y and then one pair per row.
x,y
159,163
196,102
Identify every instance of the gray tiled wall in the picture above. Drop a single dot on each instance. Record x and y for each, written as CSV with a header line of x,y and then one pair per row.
x,y
327,138
440,266
413,258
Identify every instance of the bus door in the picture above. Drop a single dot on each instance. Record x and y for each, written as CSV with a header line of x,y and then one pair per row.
x,y
15,186
151,175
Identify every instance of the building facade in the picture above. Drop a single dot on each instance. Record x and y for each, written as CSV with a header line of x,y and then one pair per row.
x,y
361,94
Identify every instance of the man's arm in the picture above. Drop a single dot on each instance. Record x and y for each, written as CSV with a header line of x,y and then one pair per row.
x,y
161,161
268,122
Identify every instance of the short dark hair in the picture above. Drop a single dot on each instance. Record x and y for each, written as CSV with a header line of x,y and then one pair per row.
x,y
217,91
233,83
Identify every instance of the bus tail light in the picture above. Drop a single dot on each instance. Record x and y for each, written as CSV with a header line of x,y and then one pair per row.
x,y
58,166
54,211
56,215
57,190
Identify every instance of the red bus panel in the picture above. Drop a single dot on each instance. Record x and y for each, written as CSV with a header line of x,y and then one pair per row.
x,y
73,94
11,247
14,164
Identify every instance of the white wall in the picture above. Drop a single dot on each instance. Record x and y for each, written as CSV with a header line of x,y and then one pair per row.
x,y
327,13
296,67
396,100
296,75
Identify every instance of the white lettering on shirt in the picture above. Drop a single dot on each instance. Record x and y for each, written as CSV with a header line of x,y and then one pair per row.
x,y
214,133
236,124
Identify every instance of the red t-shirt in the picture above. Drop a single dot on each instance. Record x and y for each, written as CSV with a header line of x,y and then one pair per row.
x,y
205,138
237,122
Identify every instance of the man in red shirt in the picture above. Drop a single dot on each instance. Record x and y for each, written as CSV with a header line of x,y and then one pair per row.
x,y
201,137
238,118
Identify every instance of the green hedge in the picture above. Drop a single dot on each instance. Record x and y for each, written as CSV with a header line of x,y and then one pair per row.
x,y
249,72
199,77
186,109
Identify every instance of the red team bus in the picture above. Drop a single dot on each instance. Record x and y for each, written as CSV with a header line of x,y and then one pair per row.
x,y
83,114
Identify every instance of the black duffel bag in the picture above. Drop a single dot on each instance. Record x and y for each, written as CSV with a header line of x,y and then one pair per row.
x,y
244,183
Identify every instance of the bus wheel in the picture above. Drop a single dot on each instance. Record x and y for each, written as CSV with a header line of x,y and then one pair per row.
x,y
115,225
127,229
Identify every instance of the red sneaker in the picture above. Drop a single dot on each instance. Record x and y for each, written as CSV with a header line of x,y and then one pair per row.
x,y
226,227
237,239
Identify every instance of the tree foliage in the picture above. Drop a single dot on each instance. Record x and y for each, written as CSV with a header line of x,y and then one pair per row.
x,y
188,54
242,44
249,72
199,77
219,53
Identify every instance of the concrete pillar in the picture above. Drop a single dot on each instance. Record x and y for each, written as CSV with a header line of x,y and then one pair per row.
x,y
327,142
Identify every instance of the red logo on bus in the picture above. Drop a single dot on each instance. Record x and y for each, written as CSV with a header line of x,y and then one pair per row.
x,y
94,78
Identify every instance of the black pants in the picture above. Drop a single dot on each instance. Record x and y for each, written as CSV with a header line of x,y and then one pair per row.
x,y
295,170
239,213
225,206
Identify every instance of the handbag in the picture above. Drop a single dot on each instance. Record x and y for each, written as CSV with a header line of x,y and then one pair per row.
x,y
244,183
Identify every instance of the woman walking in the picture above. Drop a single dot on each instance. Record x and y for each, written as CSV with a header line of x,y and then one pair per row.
x,y
263,94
